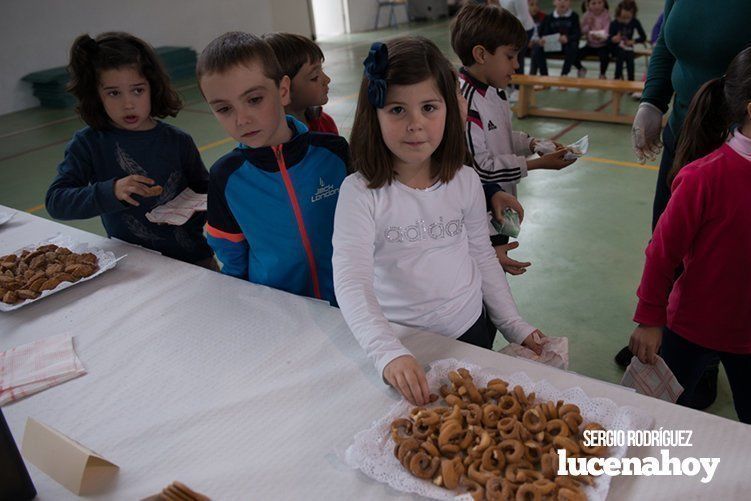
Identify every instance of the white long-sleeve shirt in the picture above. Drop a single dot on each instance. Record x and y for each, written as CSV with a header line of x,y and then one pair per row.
x,y
420,258
499,153
520,10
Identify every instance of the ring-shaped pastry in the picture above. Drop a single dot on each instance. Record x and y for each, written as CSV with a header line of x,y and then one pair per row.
x,y
451,472
491,414
493,459
573,420
509,405
557,427
423,466
528,492
401,429
534,420
513,450
572,448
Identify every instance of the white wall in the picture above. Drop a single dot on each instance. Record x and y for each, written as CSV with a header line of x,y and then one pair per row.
x,y
362,15
37,34
329,17
291,16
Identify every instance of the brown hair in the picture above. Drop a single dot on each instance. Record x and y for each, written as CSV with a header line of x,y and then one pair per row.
x,y
626,5
411,60
716,108
113,50
486,25
585,4
292,51
237,48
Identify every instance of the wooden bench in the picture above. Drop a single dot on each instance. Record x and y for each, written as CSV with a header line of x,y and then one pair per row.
x,y
642,50
526,106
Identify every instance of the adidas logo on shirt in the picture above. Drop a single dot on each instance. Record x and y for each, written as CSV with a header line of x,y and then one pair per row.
x,y
491,125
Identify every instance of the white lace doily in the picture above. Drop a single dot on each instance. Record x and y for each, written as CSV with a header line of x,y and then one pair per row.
x,y
106,259
373,449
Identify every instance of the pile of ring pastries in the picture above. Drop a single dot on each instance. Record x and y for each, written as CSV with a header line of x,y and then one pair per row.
x,y
494,443
26,275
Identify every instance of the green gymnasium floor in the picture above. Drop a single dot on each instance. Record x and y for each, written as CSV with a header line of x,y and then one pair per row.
x,y
585,228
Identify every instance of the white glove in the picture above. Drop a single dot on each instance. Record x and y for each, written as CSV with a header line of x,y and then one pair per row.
x,y
645,133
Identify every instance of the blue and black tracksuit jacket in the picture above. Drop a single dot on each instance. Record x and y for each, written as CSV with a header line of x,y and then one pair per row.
x,y
271,211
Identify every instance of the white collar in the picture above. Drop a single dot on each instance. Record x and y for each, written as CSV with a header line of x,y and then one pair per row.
x,y
741,144
565,14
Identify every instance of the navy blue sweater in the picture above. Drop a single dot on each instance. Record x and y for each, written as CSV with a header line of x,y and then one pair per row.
x,y
565,25
627,30
95,159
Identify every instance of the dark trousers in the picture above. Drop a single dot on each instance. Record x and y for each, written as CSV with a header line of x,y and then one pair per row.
x,y
688,361
482,332
662,190
569,51
623,56
523,53
662,196
603,53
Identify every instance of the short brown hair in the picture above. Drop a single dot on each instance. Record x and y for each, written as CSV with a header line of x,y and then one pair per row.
x,y
237,48
411,60
487,25
113,50
626,5
292,51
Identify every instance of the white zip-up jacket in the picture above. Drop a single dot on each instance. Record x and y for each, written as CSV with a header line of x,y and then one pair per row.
x,y
499,153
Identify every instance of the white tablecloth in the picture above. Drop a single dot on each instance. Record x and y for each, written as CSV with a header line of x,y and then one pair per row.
x,y
244,392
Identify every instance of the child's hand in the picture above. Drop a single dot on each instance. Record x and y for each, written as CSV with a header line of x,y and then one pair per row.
x,y
630,43
501,200
616,38
564,39
645,343
535,341
551,161
407,376
541,41
135,185
509,265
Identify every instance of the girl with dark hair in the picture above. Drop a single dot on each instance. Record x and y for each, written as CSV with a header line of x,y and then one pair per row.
x,y
411,241
706,229
625,31
125,162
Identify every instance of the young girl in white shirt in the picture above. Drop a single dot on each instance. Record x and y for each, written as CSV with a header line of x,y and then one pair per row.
x,y
411,242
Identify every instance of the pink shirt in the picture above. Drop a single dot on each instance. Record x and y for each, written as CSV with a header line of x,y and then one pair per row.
x,y
600,22
707,227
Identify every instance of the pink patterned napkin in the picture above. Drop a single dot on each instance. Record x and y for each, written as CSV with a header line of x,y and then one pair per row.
x,y
554,352
652,380
33,367
178,210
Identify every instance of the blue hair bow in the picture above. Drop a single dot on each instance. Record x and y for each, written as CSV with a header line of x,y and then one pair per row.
x,y
376,65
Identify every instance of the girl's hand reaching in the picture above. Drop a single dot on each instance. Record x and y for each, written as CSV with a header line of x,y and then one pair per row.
x,y
535,341
135,185
645,343
407,376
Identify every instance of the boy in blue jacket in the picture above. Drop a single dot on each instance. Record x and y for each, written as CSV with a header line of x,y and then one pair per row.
x,y
271,200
